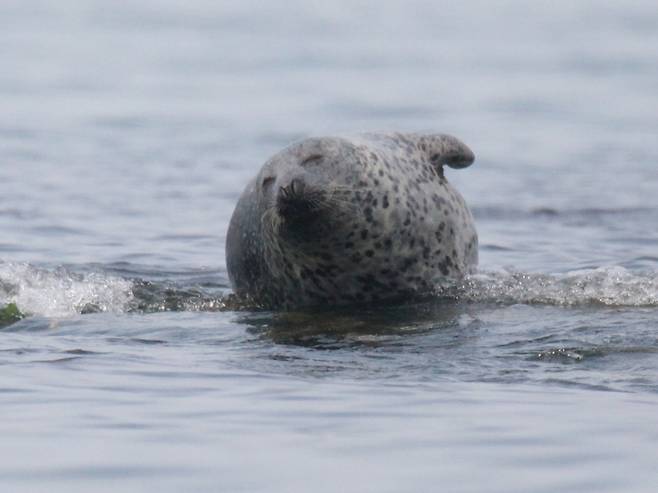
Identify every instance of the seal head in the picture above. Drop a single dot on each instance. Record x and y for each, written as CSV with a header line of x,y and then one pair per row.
x,y
344,220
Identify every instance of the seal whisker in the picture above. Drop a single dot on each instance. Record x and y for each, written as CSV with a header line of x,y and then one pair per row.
x,y
337,201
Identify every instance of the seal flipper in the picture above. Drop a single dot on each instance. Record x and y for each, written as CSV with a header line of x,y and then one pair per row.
x,y
445,149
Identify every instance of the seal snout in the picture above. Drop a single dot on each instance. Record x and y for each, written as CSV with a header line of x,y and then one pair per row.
x,y
295,189
293,200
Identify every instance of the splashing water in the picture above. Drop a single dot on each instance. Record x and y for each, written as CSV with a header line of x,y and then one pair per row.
x,y
60,292
609,286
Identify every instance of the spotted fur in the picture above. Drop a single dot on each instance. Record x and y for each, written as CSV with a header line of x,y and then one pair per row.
x,y
345,220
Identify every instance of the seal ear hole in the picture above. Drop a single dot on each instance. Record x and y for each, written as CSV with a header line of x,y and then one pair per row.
x,y
311,160
267,182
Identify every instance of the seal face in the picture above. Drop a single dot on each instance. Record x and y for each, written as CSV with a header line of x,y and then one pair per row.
x,y
345,220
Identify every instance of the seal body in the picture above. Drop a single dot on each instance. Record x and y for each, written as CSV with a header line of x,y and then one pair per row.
x,y
347,220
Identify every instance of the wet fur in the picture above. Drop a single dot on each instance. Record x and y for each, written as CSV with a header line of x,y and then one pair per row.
x,y
375,220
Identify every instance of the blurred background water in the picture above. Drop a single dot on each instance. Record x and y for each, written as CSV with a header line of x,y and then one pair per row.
x,y
127,132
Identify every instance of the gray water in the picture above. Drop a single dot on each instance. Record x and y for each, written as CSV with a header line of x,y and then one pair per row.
x,y
127,132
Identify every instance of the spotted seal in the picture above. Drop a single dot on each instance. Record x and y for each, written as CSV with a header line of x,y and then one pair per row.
x,y
347,220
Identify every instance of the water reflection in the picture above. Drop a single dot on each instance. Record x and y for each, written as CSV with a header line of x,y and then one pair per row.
x,y
357,327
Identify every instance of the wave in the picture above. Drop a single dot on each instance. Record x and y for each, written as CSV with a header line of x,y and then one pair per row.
x,y
608,286
62,292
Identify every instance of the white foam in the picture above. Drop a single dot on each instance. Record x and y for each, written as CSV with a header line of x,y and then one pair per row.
x,y
610,286
61,293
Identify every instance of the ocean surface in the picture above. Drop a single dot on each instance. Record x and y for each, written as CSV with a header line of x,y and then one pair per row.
x,y
128,131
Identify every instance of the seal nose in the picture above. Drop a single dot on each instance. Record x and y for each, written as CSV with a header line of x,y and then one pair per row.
x,y
294,189
293,192
292,199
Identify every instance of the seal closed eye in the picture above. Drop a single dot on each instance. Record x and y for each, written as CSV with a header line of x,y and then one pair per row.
x,y
312,159
346,220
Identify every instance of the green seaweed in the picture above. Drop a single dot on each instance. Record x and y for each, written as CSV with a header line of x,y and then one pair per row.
x,y
10,314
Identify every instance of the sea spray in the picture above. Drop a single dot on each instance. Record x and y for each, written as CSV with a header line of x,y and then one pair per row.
x,y
609,286
61,292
